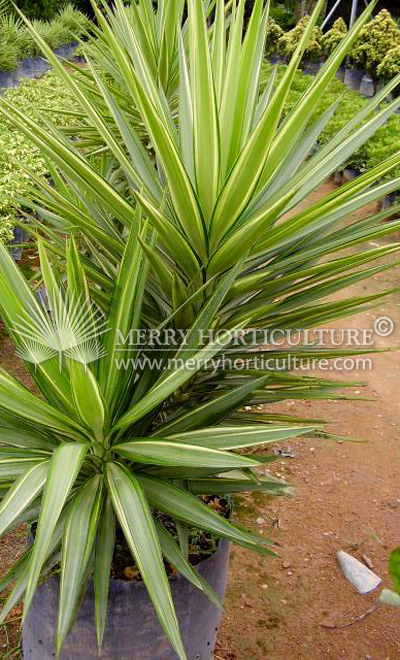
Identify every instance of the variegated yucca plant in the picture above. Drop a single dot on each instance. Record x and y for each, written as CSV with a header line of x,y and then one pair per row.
x,y
175,207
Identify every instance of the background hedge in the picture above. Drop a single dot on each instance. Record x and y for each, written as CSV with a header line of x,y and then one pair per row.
x,y
46,9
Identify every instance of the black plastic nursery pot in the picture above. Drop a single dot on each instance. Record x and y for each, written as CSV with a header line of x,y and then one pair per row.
x,y
6,79
25,69
353,78
340,73
20,236
66,51
276,58
367,87
311,67
40,66
133,631
388,201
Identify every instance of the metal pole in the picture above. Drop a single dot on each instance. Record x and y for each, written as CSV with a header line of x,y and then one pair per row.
x,y
332,11
354,8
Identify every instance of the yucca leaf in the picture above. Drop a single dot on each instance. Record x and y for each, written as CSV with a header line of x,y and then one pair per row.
x,y
184,506
205,117
77,546
85,388
218,54
24,491
185,112
15,570
251,56
23,568
20,401
206,317
163,452
245,238
21,583
18,300
298,118
26,439
65,466
230,82
230,486
181,189
173,381
104,553
124,309
134,515
212,411
233,437
245,174
72,163
177,243
174,555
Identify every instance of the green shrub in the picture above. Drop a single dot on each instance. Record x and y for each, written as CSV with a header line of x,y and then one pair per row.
x,y
16,42
274,33
377,38
390,65
289,41
8,56
17,153
384,144
283,16
41,9
10,41
74,20
334,36
58,34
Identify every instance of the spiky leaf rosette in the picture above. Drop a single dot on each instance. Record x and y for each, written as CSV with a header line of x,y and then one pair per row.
x,y
177,212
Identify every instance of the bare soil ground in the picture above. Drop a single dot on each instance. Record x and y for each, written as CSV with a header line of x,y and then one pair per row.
x,y
347,497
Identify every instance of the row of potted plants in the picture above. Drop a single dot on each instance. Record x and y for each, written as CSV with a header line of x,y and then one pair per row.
x,y
19,53
49,91
128,468
374,58
380,146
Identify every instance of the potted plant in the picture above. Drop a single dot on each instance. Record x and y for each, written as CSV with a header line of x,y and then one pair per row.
x,y
332,38
40,65
389,67
182,226
274,33
313,53
77,24
8,64
376,39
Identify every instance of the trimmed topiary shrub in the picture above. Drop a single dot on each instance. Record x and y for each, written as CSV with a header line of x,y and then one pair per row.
x,y
390,65
274,33
289,41
334,36
377,38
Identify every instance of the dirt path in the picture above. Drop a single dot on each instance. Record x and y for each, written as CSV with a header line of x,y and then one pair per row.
x,y
347,497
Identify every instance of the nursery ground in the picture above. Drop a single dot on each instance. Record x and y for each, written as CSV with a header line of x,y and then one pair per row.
x,y
347,497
